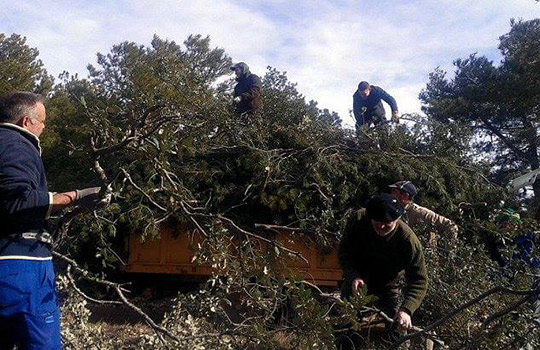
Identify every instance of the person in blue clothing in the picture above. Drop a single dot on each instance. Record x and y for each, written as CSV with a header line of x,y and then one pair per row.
x,y
522,248
29,314
368,108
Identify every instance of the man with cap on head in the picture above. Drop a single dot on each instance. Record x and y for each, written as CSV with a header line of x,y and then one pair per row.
x,y
404,192
375,248
248,90
367,105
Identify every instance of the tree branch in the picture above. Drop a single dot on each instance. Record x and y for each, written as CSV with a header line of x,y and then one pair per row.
x,y
498,289
120,292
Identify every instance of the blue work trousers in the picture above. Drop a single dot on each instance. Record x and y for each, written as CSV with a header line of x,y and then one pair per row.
x,y
29,314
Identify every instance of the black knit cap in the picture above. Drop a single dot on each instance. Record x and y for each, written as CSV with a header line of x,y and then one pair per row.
x,y
384,208
363,85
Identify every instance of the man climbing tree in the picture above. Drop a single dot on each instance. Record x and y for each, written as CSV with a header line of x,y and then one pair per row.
x,y
368,108
247,92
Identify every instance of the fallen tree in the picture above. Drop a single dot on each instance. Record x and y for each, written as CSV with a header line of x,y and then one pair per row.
x,y
154,128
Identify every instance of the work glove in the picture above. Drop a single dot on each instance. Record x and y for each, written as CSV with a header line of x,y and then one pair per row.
x,y
395,117
237,99
87,198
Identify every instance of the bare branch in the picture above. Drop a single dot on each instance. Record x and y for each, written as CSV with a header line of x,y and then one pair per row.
x,y
120,292
269,241
74,285
486,294
146,195
132,136
508,309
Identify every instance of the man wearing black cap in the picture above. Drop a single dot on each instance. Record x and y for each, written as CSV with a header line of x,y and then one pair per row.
x,y
404,192
367,105
375,247
247,93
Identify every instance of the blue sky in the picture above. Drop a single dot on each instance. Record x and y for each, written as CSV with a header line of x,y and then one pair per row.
x,y
327,47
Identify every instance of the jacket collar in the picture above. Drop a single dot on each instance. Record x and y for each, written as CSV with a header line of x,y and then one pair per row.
x,y
27,134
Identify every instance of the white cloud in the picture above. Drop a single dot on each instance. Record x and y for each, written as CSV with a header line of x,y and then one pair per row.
x,y
327,47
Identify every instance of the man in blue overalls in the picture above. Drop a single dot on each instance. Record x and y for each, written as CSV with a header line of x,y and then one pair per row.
x,y
29,314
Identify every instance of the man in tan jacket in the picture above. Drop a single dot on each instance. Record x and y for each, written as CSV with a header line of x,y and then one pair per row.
x,y
404,192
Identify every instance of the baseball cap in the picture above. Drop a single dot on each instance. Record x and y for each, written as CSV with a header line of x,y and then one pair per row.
x,y
508,215
405,186
384,208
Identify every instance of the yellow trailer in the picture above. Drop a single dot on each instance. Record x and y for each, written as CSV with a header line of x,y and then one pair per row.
x,y
173,253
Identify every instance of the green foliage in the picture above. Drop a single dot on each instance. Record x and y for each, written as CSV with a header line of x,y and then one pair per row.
x,y
155,127
246,305
165,136
494,108
20,68
67,130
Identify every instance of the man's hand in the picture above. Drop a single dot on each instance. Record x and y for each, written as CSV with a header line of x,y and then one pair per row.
x,y
237,99
87,198
357,283
395,117
403,319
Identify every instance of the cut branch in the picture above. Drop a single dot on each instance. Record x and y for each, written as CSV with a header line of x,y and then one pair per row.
x,y
120,292
486,294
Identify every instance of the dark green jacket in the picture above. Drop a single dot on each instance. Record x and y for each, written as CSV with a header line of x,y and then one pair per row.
x,y
379,260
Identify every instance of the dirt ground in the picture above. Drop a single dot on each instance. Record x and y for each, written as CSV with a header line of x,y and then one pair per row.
x,y
153,294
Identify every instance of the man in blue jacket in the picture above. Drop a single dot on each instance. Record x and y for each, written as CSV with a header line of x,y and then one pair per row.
x,y
29,314
368,108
